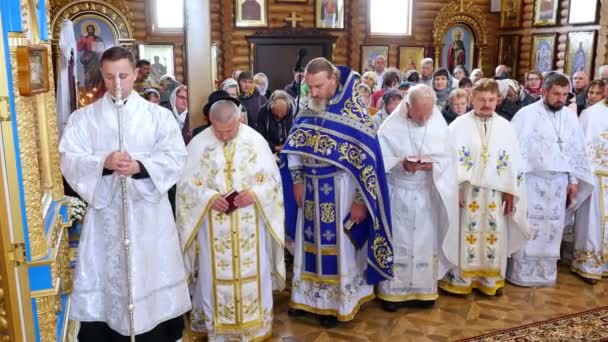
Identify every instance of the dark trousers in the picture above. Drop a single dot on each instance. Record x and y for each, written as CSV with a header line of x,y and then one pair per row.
x,y
168,331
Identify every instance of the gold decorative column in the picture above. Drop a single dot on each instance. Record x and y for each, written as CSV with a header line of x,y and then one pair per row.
x,y
3,315
48,307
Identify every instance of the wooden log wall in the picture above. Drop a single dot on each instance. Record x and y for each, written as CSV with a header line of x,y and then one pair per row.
x,y
140,10
562,29
233,51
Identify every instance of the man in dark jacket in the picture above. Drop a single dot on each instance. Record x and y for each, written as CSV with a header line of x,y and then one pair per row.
x,y
250,97
275,119
292,88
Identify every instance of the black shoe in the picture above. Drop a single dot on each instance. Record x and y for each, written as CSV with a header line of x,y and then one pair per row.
x,y
328,322
590,281
389,306
295,312
419,304
499,292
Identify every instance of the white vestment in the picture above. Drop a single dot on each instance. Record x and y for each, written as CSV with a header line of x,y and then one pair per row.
x,y
67,49
239,256
100,292
553,149
339,295
489,166
590,257
424,206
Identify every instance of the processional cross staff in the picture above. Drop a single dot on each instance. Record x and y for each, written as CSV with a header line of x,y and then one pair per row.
x,y
119,103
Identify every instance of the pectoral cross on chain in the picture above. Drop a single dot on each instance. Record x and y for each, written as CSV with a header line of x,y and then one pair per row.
x,y
560,142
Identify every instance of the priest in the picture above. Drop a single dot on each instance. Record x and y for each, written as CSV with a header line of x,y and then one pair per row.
x,y
590,259
153,156
492,195
230,218
421,172
558,179
342,236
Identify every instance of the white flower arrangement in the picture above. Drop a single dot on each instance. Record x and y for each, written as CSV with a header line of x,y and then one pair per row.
x,y
76,209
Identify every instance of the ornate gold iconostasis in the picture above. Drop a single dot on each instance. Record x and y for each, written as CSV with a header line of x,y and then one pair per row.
x,y
459,36
35,216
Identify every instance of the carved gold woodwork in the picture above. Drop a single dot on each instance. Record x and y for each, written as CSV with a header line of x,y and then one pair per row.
x,y
3,314
28,147
115,11
48,307
460,12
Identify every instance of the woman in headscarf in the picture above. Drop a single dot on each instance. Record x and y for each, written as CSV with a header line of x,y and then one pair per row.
x,y
152,95
261,82
231,86
179,108
442,84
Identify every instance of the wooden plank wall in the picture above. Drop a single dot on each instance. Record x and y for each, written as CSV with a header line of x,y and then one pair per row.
x,y
562,28
234,52
141,35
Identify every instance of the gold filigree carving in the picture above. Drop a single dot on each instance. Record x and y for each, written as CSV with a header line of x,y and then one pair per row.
x,y
26,128
3,315
116,11
53,138
64,258
459,12
48,307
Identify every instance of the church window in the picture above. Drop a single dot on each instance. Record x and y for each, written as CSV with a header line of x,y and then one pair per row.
x,y
168,16
390,17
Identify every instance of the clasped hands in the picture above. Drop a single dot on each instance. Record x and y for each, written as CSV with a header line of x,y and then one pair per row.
x,y
242,200
122,164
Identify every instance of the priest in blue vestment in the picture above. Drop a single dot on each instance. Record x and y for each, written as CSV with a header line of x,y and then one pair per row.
x,y
340,202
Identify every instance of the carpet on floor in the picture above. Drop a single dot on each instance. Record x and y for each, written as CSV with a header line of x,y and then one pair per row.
x,y
589,325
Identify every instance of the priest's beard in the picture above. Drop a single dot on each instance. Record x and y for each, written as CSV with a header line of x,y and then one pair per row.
x,y
554,108
318,104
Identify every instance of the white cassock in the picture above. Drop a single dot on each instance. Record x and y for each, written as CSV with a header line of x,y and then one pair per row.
x,y
590,258
151,136
67,49
489,166
553,150
238,257
424,206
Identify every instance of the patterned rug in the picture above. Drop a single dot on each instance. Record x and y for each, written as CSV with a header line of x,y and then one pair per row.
x,y
589,325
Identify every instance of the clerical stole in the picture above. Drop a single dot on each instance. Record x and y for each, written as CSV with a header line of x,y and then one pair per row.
x,y
489,165
320,259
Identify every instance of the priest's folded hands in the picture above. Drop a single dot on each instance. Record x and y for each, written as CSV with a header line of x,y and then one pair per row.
x,y
121,163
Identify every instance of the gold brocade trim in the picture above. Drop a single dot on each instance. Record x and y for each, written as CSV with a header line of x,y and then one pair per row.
x,y
480,273
585,274
192,236
232,281
332,312
328,280
269,229
223,328
403,298
463,289
324,250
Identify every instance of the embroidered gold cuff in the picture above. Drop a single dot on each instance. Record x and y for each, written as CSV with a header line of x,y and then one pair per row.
x,y
297,176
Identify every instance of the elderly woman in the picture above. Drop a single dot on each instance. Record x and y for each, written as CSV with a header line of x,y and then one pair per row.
x,y
261,82
231,86
458,104
369,78
476,75
390,101
275,119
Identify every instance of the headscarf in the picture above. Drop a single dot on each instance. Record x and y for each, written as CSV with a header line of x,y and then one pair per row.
x,y
180,117
442,95
230,82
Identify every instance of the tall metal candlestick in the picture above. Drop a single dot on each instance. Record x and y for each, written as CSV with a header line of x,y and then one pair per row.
x,y
125,213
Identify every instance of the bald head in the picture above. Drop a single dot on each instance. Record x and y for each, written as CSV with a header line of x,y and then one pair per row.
x,y
580,81
379,64
223,111
501,70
